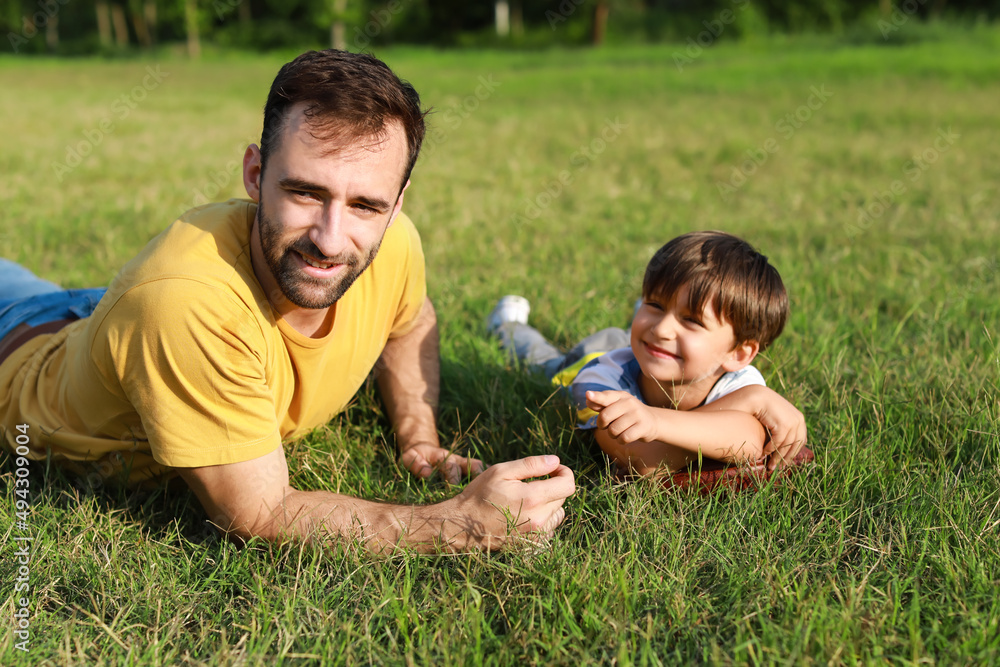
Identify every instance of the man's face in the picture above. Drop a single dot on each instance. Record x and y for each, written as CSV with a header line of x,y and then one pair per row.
x,y
307,286
322,216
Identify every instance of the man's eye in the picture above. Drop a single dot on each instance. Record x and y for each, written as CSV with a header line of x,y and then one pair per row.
x,y
304,194
367,210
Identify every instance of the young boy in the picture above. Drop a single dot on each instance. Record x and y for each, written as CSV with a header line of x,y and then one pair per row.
x,y
683,389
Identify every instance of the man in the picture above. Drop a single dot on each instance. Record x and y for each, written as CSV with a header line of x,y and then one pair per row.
x,y
248,323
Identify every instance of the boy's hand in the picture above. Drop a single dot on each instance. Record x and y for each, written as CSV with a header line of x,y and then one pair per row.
x,y
626,418
786,426
423,460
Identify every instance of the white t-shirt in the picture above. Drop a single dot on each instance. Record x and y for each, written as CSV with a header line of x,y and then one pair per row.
x,y
619,370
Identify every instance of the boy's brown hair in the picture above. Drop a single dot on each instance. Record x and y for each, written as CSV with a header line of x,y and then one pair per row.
x,y
745,290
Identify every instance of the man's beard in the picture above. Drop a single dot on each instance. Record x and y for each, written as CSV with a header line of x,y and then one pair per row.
x,y
299,288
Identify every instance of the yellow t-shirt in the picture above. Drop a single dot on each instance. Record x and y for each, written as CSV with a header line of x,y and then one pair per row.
x,y
184,363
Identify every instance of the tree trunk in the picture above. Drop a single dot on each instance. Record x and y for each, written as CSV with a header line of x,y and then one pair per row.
x,y
517,19
338,35
244,13
140,26
120,25
501,13
52,33
600,23
103,22
191,23
149,12
338,31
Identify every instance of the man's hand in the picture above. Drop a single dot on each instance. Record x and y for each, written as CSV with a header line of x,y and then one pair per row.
x,y
422,460
625,417
502,510
786,426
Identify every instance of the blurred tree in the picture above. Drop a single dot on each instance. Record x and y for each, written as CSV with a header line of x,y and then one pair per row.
x,y
600,25
516,19
338,29
501,12
52,32
143,33
85,27
192,29
119,24
103,22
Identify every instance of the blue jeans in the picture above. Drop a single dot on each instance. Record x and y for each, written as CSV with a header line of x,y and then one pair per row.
x,y
27,299
527,344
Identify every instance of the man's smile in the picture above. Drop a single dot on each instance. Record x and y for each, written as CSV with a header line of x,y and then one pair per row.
x,y
317,263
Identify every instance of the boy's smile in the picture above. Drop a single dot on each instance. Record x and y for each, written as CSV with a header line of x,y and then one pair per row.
x,y
660,353
682,353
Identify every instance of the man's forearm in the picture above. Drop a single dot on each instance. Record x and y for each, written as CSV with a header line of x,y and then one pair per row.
x,y
408,374
254,499
380,527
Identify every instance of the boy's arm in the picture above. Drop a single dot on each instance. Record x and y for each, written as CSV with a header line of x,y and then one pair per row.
x,y
783,421
643,437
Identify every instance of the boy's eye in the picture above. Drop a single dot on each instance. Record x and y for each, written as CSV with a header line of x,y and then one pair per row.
x,y
694,320
653,304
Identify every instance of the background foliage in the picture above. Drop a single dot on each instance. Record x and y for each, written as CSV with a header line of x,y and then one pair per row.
x,y
115,27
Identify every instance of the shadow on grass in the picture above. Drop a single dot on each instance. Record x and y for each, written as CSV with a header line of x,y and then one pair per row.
x,y
164,512
509,413
486,411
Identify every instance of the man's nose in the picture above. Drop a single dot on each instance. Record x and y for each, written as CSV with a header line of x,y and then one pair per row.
x,y
328,232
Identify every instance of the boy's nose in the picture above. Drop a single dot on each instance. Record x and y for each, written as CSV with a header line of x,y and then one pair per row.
x,y
666,326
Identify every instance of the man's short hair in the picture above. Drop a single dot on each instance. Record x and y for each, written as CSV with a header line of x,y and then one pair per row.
x,y
745,290
347,95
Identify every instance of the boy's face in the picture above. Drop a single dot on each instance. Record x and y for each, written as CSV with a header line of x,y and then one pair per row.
x,y
682,353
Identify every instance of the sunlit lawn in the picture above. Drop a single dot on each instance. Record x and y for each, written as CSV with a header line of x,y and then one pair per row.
x,y
868,175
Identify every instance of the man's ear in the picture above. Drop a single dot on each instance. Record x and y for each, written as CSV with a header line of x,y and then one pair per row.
x,y
252,171
741,356
399,204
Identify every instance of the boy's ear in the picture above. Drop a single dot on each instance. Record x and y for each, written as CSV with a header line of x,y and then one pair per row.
x,y
741,355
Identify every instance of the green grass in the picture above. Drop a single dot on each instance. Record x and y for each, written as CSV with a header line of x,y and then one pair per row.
x,y
885,551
